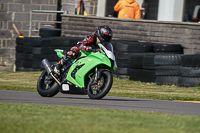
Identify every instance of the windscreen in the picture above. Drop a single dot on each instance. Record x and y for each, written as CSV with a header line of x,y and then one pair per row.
x,y
108,46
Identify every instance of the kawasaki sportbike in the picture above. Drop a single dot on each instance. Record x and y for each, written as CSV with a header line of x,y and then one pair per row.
x,y
91,72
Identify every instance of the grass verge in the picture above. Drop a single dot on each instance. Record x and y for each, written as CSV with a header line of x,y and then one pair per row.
x,y
27,81
30,118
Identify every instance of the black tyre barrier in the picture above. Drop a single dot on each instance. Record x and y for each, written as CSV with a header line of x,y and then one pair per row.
x,y
136,61
148,62
114,43
52,42
35,49
189,71
41,50
61,41
149,76
168,59
20,56
121,76
28,57
123,63
124,40
167,80
136,74
167,71
38,42
19,63
50,57
32,41
135,47
28,49
48,42
20,41
49,32
173,48
27,64
188,82
121,71
122,55
19,68
19,49
142,75
47,50
28,69
38,64
190,61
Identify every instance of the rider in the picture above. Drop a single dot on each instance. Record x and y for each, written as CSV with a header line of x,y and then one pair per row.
x,y
103,34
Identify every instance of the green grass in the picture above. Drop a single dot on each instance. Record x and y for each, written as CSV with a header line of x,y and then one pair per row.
x,y
128,88
27,81
21,81
30,118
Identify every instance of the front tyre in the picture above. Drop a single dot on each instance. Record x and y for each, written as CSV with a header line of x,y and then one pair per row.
x,y
46,86
103,86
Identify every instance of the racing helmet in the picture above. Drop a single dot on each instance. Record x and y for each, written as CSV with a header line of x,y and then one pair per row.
x,y
104,33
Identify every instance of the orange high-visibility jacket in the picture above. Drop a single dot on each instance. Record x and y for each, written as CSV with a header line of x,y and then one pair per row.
x,y
128,9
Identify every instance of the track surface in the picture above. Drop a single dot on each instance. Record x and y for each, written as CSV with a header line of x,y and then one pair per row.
x,y
120,103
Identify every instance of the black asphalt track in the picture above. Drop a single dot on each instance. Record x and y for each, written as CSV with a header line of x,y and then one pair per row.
x,y
107,102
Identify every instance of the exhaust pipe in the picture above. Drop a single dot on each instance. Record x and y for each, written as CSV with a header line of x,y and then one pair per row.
x,y
47,66
49,70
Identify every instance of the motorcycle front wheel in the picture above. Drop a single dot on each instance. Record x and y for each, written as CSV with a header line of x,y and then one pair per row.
x,y
46,86
102,87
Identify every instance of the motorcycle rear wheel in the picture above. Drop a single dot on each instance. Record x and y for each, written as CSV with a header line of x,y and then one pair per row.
x,y
47,88
103,86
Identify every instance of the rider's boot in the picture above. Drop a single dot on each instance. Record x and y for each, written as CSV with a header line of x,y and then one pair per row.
x,y
60,64
57,69
71,54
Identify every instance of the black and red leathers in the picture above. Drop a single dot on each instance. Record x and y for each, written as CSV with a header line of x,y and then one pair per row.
x,y
84,45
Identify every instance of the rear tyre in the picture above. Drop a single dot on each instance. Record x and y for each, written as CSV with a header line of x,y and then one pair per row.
x,y
103,86
46,86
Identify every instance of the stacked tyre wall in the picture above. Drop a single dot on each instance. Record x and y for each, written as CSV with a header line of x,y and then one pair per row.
x,y
189,71
167,71
163,64
31,51
136,59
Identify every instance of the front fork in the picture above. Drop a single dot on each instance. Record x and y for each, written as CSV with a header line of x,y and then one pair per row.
x,y
97,76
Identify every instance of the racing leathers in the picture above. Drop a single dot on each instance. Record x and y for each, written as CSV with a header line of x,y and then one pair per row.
x,y
85,45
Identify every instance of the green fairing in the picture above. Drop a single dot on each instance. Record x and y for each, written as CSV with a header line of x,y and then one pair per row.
x,y
59,53
91,61
87,61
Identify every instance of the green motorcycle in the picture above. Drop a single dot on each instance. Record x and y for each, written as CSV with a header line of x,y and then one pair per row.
x,y
91,72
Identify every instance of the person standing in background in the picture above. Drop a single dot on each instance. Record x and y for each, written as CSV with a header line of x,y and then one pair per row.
x,y
144,10
196,14
128,9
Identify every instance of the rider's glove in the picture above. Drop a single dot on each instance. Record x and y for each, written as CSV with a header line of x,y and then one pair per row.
x,y
70,54
87,49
